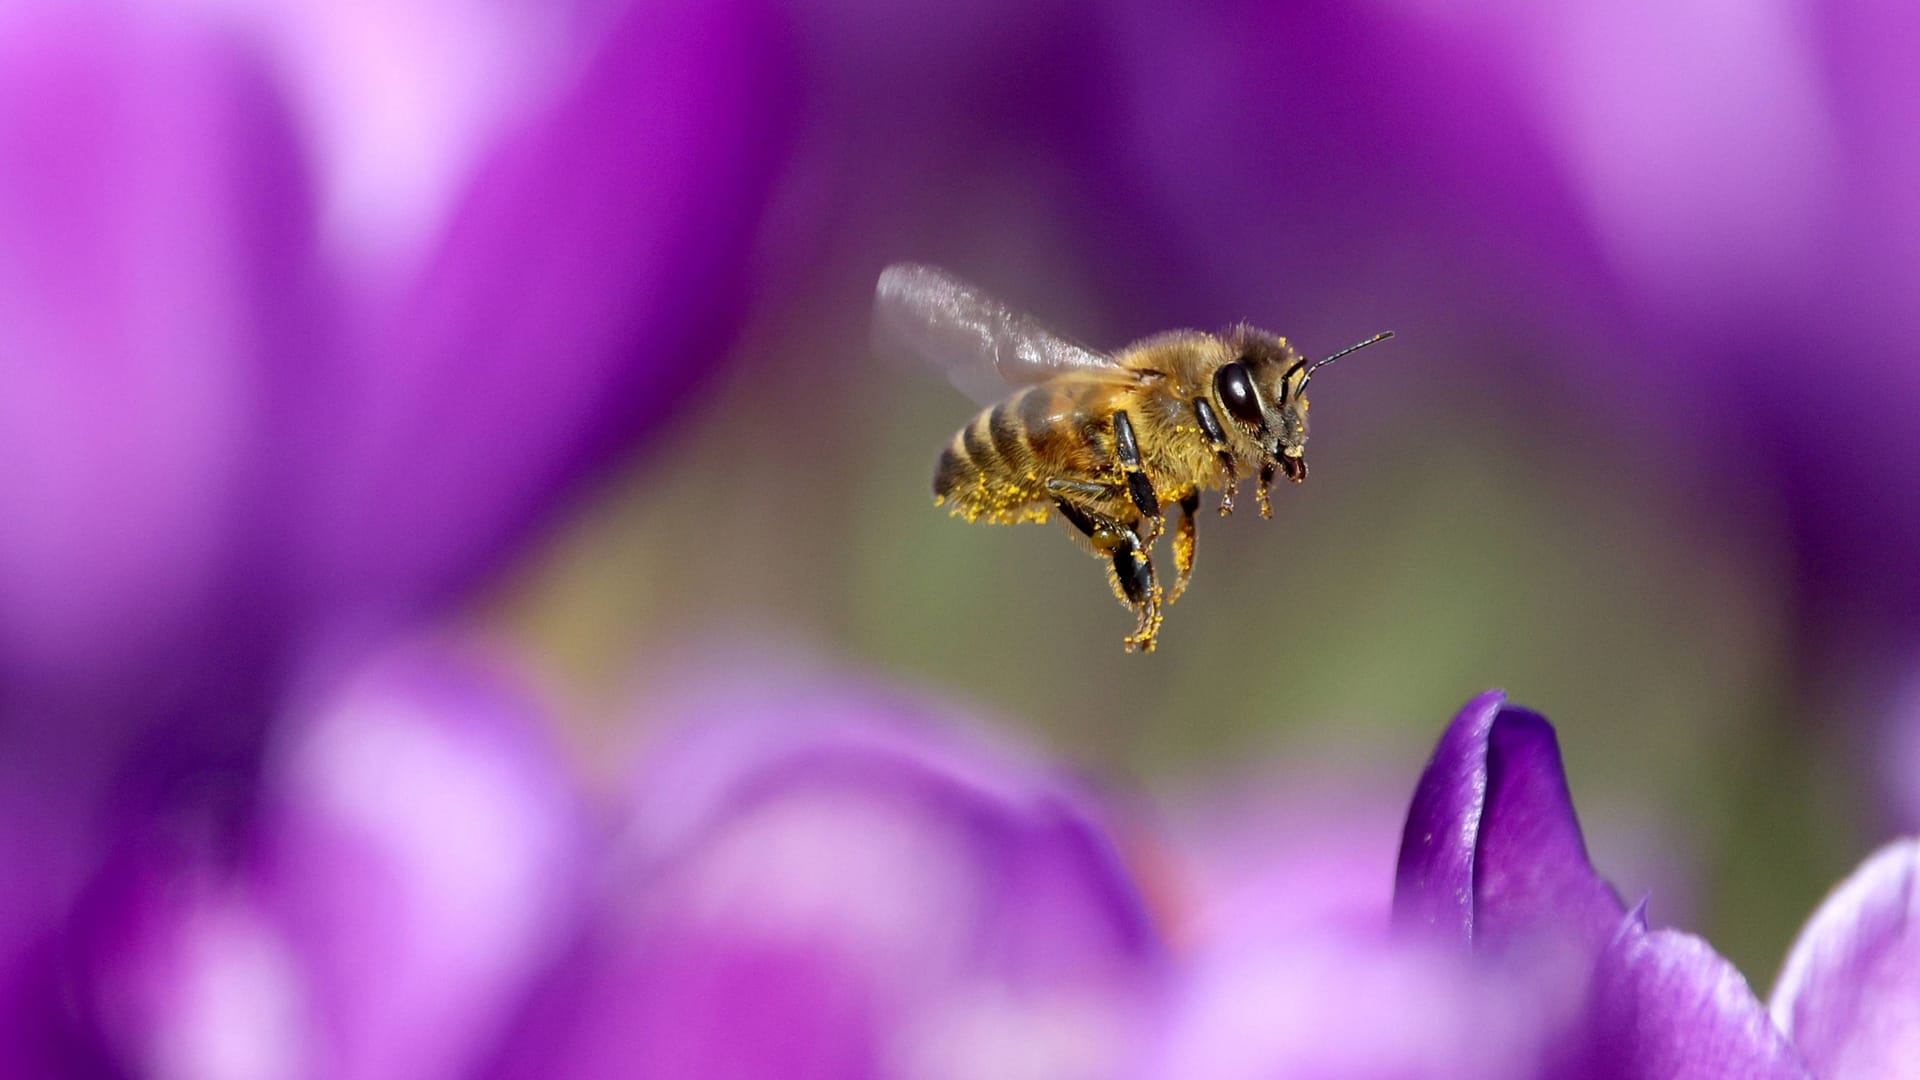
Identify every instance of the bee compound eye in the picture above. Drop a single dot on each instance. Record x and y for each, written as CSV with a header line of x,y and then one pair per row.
x,y
1236,392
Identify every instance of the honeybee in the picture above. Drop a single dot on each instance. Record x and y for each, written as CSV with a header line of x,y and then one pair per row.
x,y
1107,441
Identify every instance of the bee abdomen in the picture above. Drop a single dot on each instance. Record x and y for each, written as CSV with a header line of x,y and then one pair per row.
x,y
1005,434
988,470
953,471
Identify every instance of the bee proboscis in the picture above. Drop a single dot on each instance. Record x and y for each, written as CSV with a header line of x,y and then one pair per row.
x,y
1106,441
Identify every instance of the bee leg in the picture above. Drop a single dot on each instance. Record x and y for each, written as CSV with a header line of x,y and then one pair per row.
x,y
1184,531
1078,518
1233,483
1082,492
1132,572
1139,484
1146,630
1066,489
1217,438
1108,538
1260,493
1129,569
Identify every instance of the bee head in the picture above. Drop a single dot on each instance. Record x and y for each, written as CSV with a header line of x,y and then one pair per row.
x,y
1265,391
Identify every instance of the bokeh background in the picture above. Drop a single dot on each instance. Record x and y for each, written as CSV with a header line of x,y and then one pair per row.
x,y
324,326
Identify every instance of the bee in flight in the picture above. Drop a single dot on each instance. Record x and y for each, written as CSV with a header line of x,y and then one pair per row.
x,y
1108,441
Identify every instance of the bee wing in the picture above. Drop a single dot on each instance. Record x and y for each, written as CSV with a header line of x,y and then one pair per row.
x,y
983,346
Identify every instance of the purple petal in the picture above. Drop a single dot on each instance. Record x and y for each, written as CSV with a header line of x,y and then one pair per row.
x,y
1421,149
180,971
1332,1004
1492,854
153,244
424,848
1735,211
1287,963
1849,994
818,883
43,853
398,101
1433,884
1304,846
584,283
1665,1004
419,860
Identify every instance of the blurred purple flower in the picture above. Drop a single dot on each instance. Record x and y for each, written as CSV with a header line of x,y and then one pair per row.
x,y
811,880
814,881
1493,856
1756,209
1297,849
425,847
233,456
223,447
1337,1003
237,454
818,882
417,855
155,260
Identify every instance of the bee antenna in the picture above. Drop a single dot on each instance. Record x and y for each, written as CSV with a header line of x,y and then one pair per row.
x,y
1374,340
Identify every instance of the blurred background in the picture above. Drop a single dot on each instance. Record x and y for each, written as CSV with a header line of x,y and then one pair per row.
x,y
324,325
1583,472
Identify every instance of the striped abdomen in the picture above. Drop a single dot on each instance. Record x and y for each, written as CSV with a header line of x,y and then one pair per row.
x,y
997,467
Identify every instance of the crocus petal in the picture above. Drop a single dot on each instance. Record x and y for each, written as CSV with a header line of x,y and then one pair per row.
x,y
825,887
41,850
582,285
153,242
1849,994
1304,846
1665,1004
398,99
180,972
1406,150
1492,853
423,846
1335,1004
417,860
1287,964
1734,207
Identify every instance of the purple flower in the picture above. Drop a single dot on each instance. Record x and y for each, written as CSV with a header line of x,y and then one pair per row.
x,y
1337,1003
227,441
808,879
1754,217
1493,855
817,882
237,455
1297,849
425,848
417,855
804,880
1663,1003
